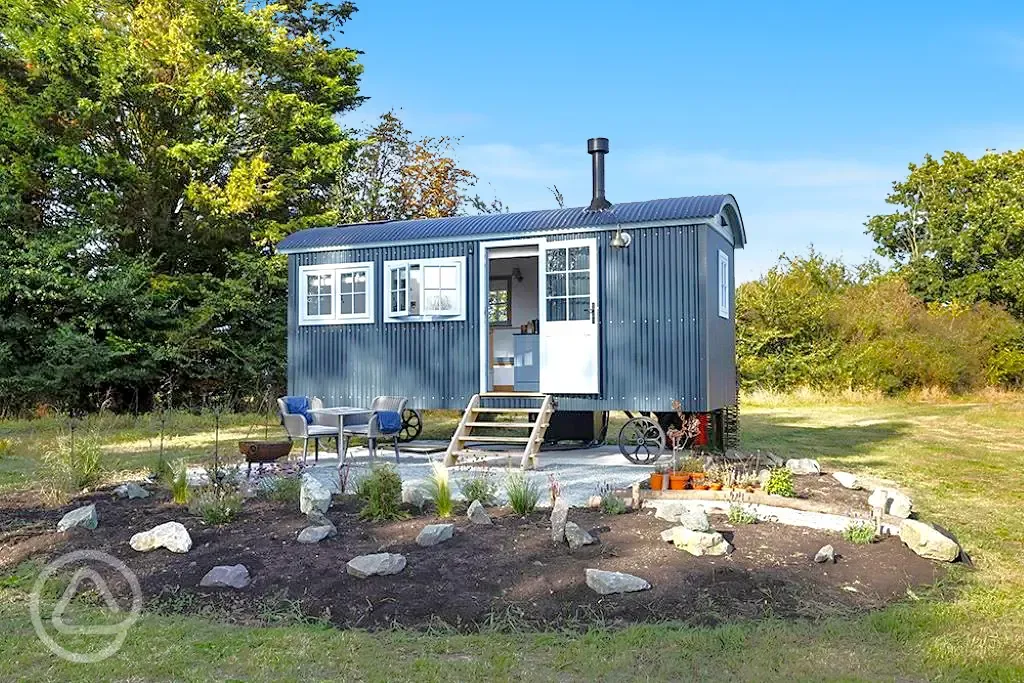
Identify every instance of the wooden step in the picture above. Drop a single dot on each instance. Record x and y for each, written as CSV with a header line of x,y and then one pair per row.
x,y
493,439
512,394
506,425
504,410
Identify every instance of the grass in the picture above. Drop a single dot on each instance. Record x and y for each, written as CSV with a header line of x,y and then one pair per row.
x,y
962,459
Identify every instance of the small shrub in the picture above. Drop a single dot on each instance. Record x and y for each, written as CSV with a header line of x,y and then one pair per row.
x,y
440,490
216,506
68,471
285,490
381,493
177,481
860,533
780,483
739,515
523,493
691,465
612,504
480,488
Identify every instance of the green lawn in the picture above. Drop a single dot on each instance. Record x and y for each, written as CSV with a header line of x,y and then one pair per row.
x,y
963,460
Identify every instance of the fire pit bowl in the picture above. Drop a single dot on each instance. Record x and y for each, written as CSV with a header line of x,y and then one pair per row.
x,y
264,451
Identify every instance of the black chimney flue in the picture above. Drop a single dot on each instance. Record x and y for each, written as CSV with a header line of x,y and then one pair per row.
x,y
597,148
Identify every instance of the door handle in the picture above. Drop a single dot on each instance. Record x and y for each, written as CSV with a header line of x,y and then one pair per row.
x,y
593,313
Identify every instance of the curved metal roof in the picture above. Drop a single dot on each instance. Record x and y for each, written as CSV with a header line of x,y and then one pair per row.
x,y
633,214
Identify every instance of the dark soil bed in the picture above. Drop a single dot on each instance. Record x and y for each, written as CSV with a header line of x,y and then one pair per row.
x,y
508,570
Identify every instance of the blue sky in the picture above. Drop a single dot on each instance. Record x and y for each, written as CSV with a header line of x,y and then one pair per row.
x,y
805,111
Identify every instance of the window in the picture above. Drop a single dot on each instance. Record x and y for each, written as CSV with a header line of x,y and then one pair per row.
x,y
499,302
336,293
426,289
723,284
568,284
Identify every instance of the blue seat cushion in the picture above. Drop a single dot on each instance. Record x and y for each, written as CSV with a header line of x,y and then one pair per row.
x,y
298,405
389,421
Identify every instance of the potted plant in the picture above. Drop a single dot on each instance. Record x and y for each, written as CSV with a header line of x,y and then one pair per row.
x,y
658,478
715,477
693,467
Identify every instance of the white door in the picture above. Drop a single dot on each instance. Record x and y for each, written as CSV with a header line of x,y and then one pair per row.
x,y
569,339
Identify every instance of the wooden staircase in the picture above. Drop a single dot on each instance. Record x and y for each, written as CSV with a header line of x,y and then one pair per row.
x,y
472,420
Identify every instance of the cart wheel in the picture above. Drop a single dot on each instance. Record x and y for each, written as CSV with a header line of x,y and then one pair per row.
x,y
412,425
641,440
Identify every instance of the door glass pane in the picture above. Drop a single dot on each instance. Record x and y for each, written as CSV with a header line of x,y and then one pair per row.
x,y
579,308
556,284
579,284
556,260
579,258
556,310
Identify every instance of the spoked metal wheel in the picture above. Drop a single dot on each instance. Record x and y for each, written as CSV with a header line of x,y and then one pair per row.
x,y
641,440
412,425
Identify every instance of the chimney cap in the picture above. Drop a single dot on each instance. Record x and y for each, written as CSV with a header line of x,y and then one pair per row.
x,y
595,145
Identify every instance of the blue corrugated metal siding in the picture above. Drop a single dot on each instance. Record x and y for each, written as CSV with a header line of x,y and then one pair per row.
x,y
652,303
681,209
721,332
435,364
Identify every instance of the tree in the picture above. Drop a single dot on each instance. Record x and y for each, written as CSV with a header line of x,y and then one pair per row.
x,y
394,176
958,230
152,152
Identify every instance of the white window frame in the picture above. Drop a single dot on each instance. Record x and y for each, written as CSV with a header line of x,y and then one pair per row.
x,y
336,270
723,285
458,313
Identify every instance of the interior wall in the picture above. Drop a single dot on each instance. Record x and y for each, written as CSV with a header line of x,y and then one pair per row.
x,y
525,307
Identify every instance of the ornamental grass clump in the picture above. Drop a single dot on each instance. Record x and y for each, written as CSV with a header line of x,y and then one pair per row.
x,y
70,466
440,490
381,493
216,506
177,481
523,493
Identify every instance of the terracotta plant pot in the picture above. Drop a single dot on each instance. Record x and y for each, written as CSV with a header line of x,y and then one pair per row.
x,y
677,482
700,486
716,486
657,479
697,476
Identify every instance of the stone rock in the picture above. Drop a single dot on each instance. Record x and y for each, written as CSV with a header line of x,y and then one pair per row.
x,y
559,516
847,480
131,491
313,495
317,518
890,501
477,514
577,537
433,534
594,502
878,499
803,466
668,534
900,505
315,534
700,543
415,492
826,554
607,583
378,564
669,510
695,519
171,535
226,576
83,517
928,541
